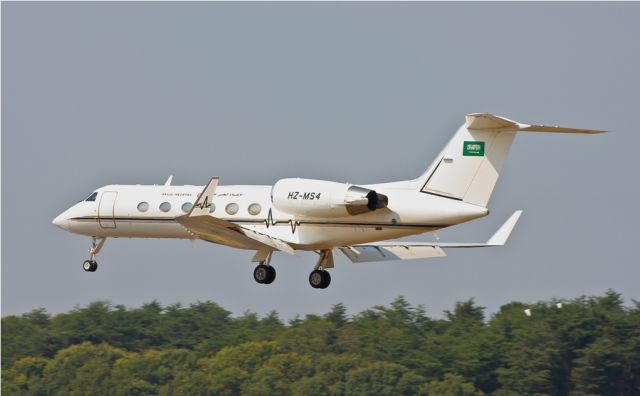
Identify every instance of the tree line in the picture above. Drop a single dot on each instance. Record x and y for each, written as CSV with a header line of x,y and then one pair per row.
x,y
589,346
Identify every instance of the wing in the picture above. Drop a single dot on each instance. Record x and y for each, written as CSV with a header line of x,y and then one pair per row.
x,y
387,251
209,228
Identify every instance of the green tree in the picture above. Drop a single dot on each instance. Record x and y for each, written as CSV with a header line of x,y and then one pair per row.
x,y
276,375
451,385
25,336
149,371
337,315
24,377
590,345
82,369
314,334
382,378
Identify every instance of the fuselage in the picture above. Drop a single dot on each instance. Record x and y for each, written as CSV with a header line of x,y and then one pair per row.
x,y
320,215
149,211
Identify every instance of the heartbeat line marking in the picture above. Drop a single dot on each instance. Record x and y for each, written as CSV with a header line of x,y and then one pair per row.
x,y
204,204
270,222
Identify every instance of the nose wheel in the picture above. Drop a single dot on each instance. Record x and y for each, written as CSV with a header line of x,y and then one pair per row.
x,y
91,265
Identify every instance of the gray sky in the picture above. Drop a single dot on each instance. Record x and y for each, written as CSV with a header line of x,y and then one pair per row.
x,y
101,93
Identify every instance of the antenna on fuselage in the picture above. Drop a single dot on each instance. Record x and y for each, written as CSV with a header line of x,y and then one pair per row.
x,y
168,182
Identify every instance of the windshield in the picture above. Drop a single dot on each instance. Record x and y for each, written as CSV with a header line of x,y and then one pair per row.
x,y
92,197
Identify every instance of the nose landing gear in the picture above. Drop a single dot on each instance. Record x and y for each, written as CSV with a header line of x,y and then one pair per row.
x,y
91,265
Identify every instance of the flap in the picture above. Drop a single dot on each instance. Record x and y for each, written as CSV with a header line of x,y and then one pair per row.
x,y
386,251
367,253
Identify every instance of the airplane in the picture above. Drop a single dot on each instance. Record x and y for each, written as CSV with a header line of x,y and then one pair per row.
x,y
297,214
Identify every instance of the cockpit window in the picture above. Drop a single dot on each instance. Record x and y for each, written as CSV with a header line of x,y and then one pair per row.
x,y
92,197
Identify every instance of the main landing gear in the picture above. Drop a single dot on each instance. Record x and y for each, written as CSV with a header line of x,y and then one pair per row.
x,y
320,277
264,273
91,265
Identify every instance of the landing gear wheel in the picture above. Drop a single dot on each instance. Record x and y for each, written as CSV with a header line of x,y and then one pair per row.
x,y
326,281
271,275
319,279
261,274
90,265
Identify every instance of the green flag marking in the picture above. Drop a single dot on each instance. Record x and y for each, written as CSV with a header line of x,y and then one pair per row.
x,y
473,149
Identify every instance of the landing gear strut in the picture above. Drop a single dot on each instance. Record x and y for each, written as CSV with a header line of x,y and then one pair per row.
x,y
91,265
264,273
320,277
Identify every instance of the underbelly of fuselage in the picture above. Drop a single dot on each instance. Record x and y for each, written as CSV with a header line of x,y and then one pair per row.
x,y
302,235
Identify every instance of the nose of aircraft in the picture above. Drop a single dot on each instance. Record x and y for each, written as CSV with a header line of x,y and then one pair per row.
x,y
61,221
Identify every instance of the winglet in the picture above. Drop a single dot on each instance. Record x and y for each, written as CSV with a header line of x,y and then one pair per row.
x,y
169,179
501,236
203,203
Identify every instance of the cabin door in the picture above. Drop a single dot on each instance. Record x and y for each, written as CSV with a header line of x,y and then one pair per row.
x,y
106,209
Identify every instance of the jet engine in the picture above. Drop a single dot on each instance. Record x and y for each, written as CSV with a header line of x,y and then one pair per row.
x,y
320,198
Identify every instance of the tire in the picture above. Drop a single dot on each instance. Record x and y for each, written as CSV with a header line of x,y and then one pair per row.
x,y
326,279
271,275
87,265
316,279
261,273
94,266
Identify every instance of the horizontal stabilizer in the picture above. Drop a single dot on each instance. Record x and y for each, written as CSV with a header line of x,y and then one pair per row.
x,y
386,251
490,122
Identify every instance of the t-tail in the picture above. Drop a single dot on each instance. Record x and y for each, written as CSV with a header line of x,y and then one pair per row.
x,y
468,167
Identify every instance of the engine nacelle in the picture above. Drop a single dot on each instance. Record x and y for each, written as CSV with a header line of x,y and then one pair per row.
x,y
320,198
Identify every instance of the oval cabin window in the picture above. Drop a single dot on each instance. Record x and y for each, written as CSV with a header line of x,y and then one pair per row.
x,y
255,209
232,208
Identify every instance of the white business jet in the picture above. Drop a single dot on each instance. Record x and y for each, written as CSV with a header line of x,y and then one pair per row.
x,y
317,215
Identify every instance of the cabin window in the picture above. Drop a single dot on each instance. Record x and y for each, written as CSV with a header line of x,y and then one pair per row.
x,y
186,207
165,206
212,208
143,206
92,197
255,209
232,208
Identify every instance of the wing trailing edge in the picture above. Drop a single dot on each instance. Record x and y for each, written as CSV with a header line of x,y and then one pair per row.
x,y
387,251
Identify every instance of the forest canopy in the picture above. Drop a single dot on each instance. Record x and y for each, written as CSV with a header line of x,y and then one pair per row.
x,y
585,346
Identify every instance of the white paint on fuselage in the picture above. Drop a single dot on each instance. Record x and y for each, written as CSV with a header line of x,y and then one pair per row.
x,y
409,212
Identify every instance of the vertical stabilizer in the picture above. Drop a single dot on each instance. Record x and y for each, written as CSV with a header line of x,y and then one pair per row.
x,y
469,166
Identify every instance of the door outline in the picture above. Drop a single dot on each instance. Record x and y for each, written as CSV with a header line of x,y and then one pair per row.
x,y
106,209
